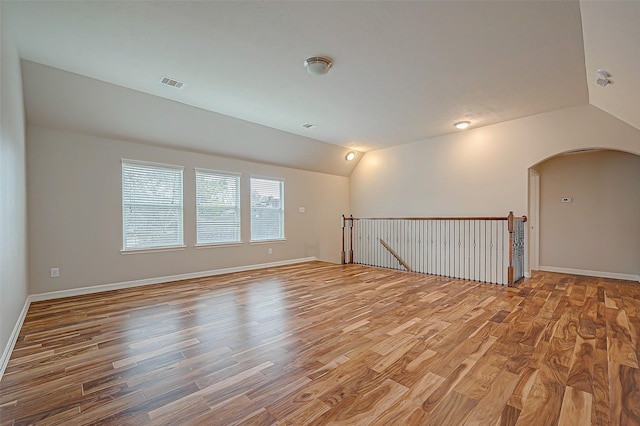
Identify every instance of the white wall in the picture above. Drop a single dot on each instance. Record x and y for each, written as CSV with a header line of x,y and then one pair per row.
x,y
75,213
480,171
600,229
13,225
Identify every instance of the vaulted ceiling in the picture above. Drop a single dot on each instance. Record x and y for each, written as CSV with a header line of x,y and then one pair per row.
x,y
612,42
403,71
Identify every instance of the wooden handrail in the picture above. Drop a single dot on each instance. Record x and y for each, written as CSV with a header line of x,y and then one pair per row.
x,y
394,254
523,218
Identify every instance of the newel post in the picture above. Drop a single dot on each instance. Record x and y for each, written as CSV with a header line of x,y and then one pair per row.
x,y
342,254
510,222
351,239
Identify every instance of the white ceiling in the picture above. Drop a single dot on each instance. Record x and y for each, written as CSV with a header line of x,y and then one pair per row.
x,y
403,71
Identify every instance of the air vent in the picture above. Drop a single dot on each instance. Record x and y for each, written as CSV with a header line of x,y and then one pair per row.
x,y
171,82
309,126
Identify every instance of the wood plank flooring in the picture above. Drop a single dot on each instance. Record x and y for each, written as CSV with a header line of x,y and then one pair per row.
x,y
317,343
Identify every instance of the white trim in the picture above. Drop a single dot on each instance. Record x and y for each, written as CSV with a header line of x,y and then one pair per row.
x,y
212,245
152,249
274,240
281,209
151,164
280,179
533,224
14,337
125,162
217,172
615,275
158,280
237,206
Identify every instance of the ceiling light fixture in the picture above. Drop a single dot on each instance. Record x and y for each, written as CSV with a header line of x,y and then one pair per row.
x,y
462,124
318,65
603,78
350,156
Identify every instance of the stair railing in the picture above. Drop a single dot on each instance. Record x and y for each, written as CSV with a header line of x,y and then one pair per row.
x,y
485,249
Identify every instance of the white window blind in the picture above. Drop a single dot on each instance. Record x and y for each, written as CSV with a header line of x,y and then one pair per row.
x,y
151,205
217,207
267,209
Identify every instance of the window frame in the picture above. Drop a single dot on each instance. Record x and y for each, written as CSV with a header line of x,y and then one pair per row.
x,y
179,246
281,209
238,206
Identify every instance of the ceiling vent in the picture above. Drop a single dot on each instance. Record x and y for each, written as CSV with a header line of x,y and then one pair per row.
x,y
171,82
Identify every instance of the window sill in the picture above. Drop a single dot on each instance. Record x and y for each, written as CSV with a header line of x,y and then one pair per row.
x,y
214,245
278,240
153,250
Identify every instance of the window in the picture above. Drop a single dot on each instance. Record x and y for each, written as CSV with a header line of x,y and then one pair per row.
x,y
267,209
151,205
217,207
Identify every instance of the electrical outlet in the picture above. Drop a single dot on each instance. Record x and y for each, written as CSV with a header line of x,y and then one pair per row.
x,y
270,250
55,272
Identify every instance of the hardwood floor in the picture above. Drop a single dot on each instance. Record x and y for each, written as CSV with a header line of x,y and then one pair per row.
x,y
318,343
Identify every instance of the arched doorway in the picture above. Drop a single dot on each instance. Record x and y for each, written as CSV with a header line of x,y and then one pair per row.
x,y
584,209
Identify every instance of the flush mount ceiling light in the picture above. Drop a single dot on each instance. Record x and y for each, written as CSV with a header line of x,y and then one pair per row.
x,y
462,124
350,156
318,65
602,78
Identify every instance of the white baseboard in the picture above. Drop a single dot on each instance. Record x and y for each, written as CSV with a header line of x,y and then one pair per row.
x,y
148,281
615,275
13,338
127,284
